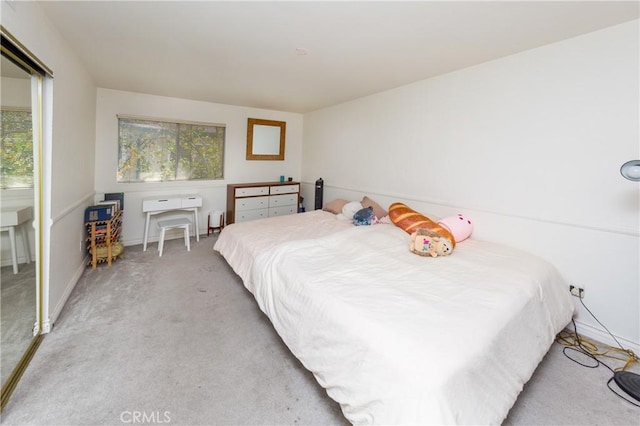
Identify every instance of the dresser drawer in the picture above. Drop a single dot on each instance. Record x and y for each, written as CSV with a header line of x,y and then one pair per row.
x,y
284,189
282,211
283,200
256,200
244,215
191,201
161,204
252,203
252,191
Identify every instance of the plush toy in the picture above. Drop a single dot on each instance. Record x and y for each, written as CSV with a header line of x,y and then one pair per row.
x,y
410,220
428,243
459,226
363,217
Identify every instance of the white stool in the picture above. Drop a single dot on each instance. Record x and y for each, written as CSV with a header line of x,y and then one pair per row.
x,y
171,224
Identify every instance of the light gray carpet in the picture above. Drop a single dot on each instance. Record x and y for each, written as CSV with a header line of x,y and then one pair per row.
x,y
18,314
181,341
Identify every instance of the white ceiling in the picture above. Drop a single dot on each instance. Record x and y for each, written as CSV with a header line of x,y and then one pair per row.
x,y
244,53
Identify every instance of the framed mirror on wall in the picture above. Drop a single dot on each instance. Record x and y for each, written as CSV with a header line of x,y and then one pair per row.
x,y
265,139
21,195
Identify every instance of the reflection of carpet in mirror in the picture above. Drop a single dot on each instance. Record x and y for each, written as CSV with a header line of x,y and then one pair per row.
x,y
18,308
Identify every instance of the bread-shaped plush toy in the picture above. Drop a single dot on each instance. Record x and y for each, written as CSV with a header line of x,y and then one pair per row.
x,y
410,220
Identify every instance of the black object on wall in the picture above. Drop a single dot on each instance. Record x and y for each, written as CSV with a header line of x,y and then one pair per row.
x,y
319,189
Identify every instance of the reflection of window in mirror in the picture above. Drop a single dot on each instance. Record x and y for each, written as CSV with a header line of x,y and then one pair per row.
x,y
16,139
265,139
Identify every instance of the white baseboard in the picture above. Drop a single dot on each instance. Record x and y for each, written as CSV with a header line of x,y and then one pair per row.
x,y
9,262
591,332
47,323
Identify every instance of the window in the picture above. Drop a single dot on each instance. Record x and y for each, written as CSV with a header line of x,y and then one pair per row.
x,y
157,151
16,148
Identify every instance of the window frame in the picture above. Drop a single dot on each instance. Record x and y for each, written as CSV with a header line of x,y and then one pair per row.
x,y
178,149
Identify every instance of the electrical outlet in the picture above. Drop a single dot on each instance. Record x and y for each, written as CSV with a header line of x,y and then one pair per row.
x,y
576,291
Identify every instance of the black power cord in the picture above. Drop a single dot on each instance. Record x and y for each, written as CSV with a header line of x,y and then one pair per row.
x,y
592,354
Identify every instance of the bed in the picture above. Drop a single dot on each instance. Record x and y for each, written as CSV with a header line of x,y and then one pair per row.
x,y
397,338
241,243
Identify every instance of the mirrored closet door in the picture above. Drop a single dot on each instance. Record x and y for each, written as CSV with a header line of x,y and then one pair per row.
x,y
20,205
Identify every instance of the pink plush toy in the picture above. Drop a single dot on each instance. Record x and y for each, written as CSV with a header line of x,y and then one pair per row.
x,y
459,226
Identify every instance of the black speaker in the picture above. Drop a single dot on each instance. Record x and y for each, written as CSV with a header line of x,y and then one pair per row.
x,y
319,189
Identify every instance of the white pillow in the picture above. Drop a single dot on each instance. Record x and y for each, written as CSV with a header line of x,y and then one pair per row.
x,y
386,219
351,208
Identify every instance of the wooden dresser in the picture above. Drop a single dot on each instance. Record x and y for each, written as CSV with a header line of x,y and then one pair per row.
x,y
249,201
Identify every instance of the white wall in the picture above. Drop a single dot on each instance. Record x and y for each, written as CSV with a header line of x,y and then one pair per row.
x,y
236,168
69,149
16,92
529,146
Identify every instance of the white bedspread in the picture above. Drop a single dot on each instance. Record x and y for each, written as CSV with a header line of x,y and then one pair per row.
x,y
241,243
397,338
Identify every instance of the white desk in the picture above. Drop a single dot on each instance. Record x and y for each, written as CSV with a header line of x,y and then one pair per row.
x,y
11,218
158,205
